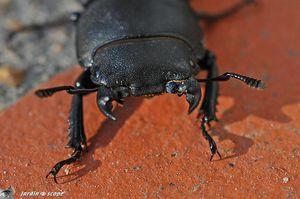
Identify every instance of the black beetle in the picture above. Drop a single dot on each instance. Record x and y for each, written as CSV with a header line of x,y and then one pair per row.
x,y
141,48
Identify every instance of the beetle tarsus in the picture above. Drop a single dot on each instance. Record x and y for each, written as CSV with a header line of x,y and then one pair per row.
x,y
212,144
54,171
212,156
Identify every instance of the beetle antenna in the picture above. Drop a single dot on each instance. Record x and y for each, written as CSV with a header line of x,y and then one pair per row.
x,y
251,82
70,89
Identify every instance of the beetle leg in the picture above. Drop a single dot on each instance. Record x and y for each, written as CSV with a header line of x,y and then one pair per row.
x,y
207,17
192,90
212,143
208,107
76,135
76,129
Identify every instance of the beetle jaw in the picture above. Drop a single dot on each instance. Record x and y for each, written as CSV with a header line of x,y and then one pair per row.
x,y
190,88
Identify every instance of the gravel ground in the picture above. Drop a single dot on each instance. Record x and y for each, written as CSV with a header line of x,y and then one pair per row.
x,y
40,54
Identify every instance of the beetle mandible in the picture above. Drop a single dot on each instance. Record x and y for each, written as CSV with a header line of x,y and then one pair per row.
x,y
141,48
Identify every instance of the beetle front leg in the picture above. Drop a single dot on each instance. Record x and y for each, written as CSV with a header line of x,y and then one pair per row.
x,y
207,110
76,128
208,107
212,143
191,89
77,138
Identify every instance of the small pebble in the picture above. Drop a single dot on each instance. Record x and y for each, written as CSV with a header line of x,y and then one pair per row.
x,y
136,168
285,180
57,48
67,171
161,187
196,187
13,25
11,76
231,165
174,154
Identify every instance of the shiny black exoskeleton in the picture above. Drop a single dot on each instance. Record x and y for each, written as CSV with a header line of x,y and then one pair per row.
x,y
138,48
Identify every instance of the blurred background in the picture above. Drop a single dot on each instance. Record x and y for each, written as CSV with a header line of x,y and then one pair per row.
x,y
33,57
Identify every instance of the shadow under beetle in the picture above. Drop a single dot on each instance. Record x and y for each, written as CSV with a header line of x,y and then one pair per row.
x,y
141,48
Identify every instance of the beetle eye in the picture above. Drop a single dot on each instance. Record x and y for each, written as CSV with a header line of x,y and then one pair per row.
x,y
171,87
181,89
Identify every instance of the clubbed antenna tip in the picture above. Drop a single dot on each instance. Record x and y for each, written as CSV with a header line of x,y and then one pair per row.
x,y
256,84
251,82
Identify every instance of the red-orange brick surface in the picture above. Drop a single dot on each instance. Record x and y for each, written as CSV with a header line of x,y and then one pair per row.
x,y
155,150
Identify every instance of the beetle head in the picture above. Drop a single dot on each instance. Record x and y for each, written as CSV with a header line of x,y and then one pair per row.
x,y
190,88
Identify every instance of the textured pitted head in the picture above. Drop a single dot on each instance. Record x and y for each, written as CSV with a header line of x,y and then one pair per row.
x,y
143,65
